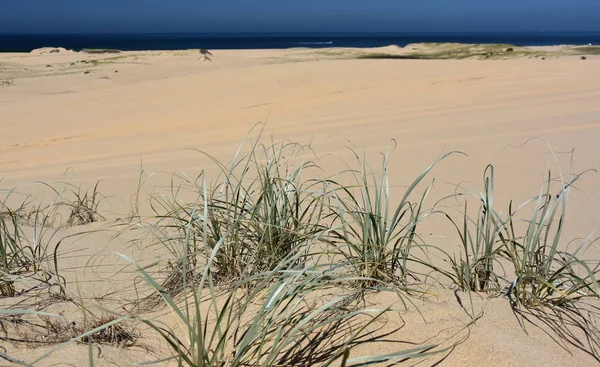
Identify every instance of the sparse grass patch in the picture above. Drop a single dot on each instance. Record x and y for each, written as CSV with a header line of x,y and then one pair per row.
x,y
100,51
83,207
451,51
43,329
104,330
116,58
383,56
107,60
589,50
91,62
7,83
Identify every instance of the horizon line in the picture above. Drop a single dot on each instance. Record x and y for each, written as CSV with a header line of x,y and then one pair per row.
x,y
287,32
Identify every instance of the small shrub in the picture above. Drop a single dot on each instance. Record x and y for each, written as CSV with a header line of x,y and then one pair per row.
x,y
205,55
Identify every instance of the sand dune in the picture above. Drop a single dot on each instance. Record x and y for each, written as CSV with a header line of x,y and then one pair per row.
x,y
102,115
158,104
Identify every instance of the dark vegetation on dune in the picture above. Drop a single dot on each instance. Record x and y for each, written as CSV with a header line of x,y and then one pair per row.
x,y
450,51
589,50
100,51
270,265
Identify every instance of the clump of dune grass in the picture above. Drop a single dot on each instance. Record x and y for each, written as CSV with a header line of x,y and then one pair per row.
x,y
83,206
544,274
27,263
375,236
476,267
532,264
260,199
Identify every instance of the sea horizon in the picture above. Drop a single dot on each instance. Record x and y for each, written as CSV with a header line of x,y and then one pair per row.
x,y
25,42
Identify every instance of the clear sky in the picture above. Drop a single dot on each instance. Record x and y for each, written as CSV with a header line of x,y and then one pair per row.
x,y
142,16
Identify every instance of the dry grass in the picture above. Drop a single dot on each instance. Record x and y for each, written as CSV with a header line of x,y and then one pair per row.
x,y
58,330
83,206
7,83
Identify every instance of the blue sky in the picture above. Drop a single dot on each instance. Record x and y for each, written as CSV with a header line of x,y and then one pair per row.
x,y
141,16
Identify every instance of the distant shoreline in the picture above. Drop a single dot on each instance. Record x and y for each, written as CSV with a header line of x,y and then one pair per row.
x,y
252,41
415,51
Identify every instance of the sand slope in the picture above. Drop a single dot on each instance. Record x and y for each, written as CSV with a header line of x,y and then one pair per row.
x,y
102,118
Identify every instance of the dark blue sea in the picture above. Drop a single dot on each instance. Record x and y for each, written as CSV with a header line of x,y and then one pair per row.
x,y
136,42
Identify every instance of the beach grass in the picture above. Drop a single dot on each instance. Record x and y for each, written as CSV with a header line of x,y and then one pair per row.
x,y
475,268
270,263
544,273
83,207
28,262
374,235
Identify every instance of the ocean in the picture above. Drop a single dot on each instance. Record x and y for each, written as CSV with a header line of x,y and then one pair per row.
x,y
240,41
